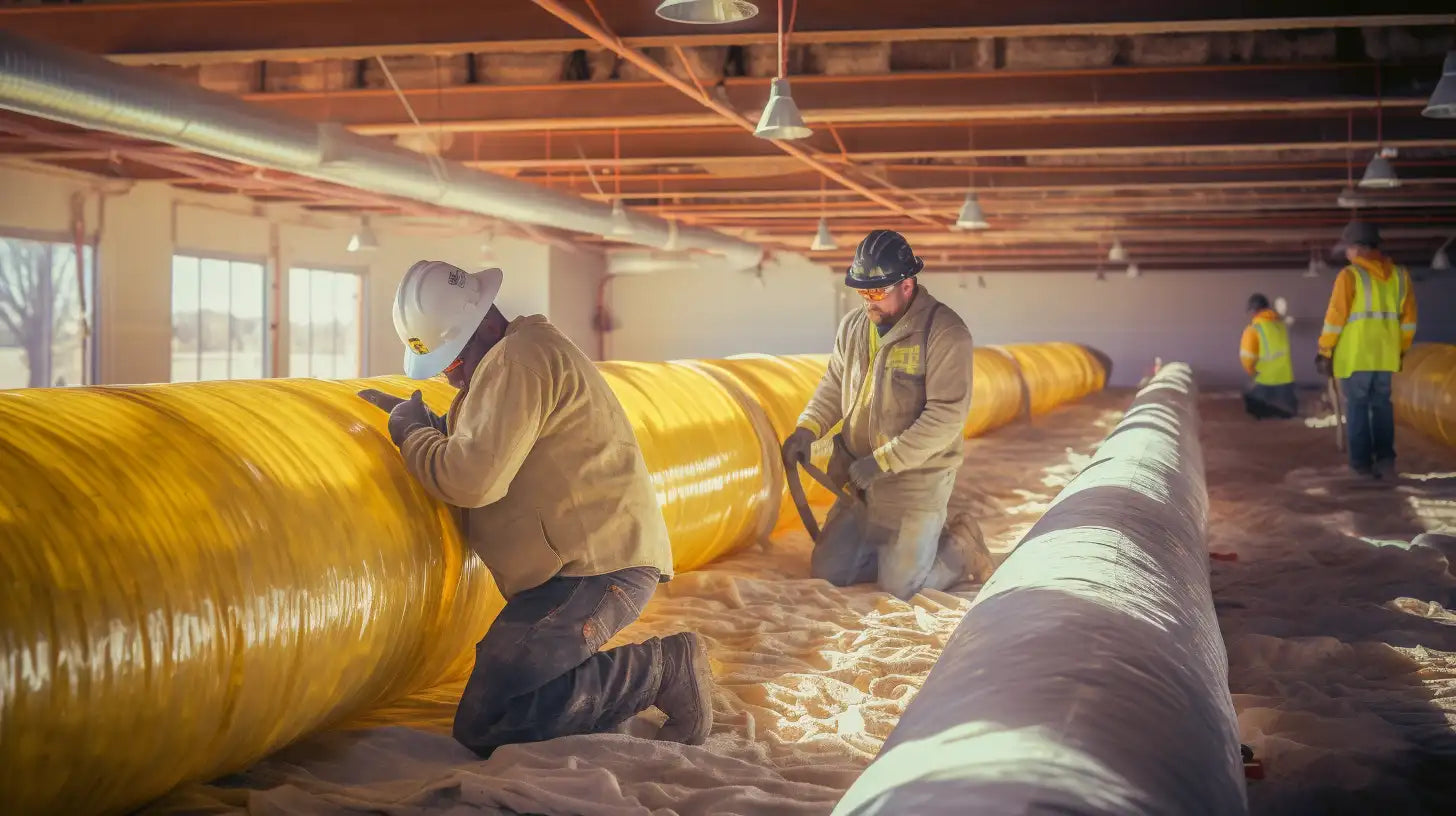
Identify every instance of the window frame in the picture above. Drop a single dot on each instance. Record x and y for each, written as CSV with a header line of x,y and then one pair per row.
x,y
360,272
90,359
266,332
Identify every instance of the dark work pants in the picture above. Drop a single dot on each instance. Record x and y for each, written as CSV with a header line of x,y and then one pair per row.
x,y
1271,401
538,674
1369,417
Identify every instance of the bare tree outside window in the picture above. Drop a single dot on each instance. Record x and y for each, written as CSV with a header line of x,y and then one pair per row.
x,y
219,325
42,337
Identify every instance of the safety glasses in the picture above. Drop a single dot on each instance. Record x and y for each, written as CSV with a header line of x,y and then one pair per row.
x,y
875,295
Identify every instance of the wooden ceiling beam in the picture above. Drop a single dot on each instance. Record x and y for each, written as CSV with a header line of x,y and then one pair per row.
x,y
196,31
941,97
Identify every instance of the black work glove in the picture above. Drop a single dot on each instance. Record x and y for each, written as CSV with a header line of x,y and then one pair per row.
x,y
798,447
409,415
865,472
1324,365
387,403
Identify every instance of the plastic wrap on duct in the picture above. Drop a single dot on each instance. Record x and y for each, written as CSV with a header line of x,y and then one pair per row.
x,y
714,478
1056,373
199,574
1424,391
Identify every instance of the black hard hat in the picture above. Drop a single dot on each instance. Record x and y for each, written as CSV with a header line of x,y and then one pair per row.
x,y
1362,233
883,258
1258,303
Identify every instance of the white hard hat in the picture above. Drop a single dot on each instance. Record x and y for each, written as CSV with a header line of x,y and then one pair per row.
x,y
437,309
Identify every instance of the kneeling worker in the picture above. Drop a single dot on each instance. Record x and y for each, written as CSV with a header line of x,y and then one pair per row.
x,y
553,494
900,379
1264,352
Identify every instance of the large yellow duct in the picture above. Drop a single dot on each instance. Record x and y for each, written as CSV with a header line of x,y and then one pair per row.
x,y
199,574
1056,373
1424,392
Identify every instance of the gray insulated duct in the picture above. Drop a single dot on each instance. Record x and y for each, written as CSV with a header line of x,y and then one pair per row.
x,y
88,91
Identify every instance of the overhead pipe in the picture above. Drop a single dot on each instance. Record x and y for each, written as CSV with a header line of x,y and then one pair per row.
x,y
56,83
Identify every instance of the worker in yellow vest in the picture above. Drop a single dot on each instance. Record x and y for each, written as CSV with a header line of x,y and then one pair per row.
x,y
1264,352
1369,326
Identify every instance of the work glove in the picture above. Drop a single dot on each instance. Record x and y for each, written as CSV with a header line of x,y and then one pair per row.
x,y
408,416
387,403
798,447
865,472
1324,365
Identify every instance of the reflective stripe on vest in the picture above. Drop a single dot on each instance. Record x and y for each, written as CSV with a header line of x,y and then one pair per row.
x,y
1371,340
1274,366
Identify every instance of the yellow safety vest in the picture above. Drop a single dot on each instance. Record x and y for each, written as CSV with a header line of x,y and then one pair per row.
x,y
1274,366
1371,337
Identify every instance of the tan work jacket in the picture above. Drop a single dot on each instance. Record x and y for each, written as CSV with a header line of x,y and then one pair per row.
x,y
907,403
543,464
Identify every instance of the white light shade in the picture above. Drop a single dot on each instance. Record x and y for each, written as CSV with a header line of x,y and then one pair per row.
x,y
1379,175
621,223
781,119
1350,199
1317,265
706,12
672,241
1117,254
823,239
971,217
1133,271
1442,259
1443,99
364,240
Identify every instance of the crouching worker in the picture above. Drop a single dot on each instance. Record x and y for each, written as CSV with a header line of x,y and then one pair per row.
x,y
900,380
1264,352
554,496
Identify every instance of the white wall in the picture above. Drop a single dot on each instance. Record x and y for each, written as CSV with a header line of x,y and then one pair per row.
x,y
572,300
1193,317
147,223
791,309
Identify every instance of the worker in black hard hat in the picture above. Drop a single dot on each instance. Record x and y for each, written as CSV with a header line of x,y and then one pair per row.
x,y
1264,353
900,381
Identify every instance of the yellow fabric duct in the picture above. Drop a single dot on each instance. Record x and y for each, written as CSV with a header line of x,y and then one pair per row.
x,y
1056,373
996,392
1424,391
199,574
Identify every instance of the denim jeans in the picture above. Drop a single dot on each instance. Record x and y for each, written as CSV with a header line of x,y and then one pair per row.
x,y
1369,417
538,674
1271,401
893,539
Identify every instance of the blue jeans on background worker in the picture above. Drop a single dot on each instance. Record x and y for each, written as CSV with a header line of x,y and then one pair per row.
x,y
1370,419
538,674
892,539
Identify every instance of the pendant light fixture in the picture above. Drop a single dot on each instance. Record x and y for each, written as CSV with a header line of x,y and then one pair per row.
x,y
781,119
823,238
1443,99
971,216
1379,174
707,12
364,239
1117,254
1442,259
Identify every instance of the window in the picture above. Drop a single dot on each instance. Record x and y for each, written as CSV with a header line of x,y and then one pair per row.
x,y
219,331
324,336
42,337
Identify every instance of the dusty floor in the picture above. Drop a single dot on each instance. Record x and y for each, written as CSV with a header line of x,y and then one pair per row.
x,y
1342,650
1342,654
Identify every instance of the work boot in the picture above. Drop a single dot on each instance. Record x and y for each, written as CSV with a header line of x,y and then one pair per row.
x,y
685,694
1384,469
963,548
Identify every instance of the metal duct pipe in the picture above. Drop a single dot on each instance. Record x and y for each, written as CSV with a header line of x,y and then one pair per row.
x,y
84,90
